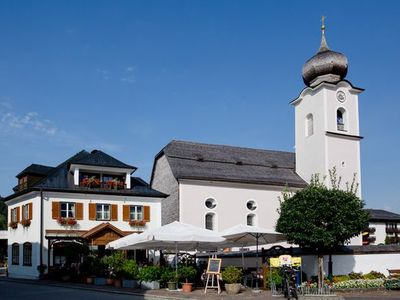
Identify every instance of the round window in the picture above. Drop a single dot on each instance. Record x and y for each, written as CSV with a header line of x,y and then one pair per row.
x,y
251,205
211,203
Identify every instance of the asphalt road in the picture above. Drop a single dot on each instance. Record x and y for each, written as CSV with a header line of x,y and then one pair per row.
x,y
23,291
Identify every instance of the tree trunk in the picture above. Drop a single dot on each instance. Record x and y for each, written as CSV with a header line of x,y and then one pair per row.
x,y
320,273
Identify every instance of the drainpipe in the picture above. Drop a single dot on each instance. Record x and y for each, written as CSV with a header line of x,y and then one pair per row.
x,y
41,227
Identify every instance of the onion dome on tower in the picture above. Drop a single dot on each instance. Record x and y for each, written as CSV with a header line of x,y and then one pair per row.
x,y
325,66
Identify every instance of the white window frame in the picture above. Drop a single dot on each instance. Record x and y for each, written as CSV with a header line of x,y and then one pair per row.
x,y
135,214
100,210
69,211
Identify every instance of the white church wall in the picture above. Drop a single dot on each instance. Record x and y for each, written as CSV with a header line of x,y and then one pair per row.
x,y
231,202
359,263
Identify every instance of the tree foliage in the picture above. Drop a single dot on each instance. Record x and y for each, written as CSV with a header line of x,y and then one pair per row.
x,y
319,218
3,215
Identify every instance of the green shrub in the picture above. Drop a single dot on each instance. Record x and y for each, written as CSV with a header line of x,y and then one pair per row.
x,y
130,269
114,263
392,284
188,273
373,275
150,273
354,275
273,275
169,275
232,274
340,278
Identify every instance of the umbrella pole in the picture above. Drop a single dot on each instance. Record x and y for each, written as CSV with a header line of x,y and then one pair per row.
x,y
176,259
257,262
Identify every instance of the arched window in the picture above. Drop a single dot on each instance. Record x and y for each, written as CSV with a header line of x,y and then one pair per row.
x,y
15,254
251,220
309,125
27,254
341,119
210,221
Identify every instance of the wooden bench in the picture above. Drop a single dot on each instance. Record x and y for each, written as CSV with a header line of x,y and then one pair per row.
x,y
394,273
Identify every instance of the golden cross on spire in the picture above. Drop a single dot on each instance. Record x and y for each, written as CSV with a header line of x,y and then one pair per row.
x,y
323,22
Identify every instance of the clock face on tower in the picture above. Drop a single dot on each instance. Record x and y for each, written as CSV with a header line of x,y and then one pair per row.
x,y
341,96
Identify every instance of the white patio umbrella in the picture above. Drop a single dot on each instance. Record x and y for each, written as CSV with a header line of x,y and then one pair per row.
x,y
175,235
245,235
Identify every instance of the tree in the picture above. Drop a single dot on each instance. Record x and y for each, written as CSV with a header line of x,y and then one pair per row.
x,y
321,219
3,215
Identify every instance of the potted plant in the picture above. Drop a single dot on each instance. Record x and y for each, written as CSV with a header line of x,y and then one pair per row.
x,y
137,222
150,277
130,273
232,276
189,274
113,264
87,269
170,277
41,269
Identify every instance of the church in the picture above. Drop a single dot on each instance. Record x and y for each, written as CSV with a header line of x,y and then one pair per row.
x,y
218,186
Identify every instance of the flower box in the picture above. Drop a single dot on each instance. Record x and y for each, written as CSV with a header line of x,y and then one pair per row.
x,y
66,221
26,222
13,224
137,222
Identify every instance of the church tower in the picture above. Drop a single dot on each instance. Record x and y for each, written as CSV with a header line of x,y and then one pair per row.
x,y
326,119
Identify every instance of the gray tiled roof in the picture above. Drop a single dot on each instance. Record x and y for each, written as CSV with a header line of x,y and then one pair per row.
x,y
59,179
190,160
35,169
99,158
382,215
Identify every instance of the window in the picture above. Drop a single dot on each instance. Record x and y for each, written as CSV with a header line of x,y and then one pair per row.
x,y
136,212
15,254
209,221
27,254
251,205
25,212
14,215
210,203
251,220
340,119
67,210
103,212
309,125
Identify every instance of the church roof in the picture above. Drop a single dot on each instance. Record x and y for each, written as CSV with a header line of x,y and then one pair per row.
x,y
382,215
189,160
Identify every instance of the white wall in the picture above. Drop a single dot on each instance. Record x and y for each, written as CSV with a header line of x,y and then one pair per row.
x,y
32,233
231,201
22,234
344,264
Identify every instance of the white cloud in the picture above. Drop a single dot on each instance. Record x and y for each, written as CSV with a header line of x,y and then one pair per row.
x,y
11,122
129,75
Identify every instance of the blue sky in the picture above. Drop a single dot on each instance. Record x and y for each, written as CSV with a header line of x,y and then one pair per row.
x,y
129,76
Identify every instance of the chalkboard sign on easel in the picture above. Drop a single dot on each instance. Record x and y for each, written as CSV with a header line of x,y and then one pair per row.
x,y
213,273
214,266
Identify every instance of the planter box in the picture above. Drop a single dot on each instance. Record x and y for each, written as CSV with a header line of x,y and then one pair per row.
x,y
150,285
133,284
99,281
